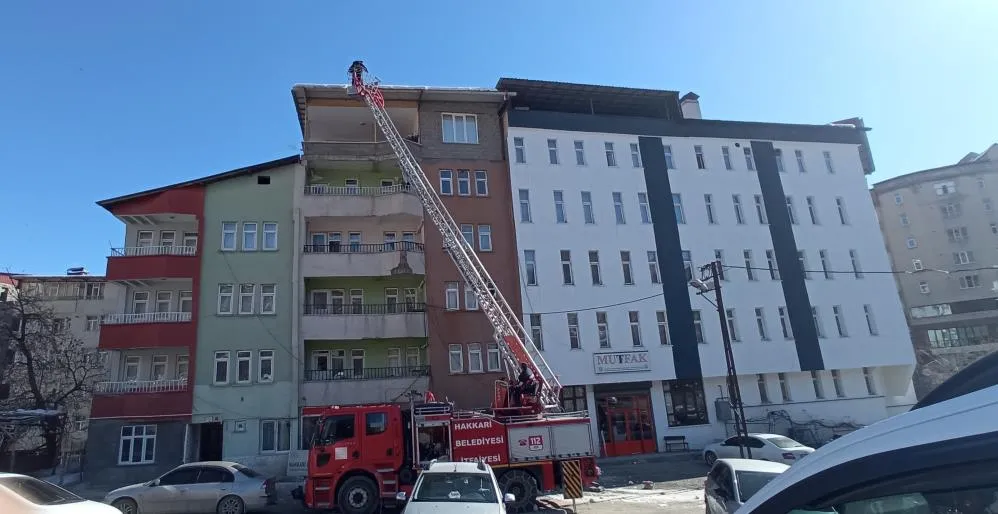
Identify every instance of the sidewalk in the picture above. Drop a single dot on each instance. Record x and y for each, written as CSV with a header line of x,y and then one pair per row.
x,y
649,458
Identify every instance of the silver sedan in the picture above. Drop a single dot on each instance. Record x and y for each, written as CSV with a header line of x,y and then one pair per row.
x,y
198,487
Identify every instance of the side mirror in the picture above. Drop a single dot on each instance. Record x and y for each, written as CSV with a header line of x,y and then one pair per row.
x,y
400,496
154,483
508,498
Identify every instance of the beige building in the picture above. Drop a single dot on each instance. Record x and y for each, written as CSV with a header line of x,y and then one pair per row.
x,y
941,230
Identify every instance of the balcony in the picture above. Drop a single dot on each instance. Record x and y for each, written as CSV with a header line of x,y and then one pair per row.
x,y
162,399
354,201
147,330
141,386
146,317
355,151
369,385
363,260
363,321
140,263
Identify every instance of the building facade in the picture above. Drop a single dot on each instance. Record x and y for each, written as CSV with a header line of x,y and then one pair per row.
x,y
940,225
621,195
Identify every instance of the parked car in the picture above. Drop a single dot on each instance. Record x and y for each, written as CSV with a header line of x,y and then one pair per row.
x,y
212,486
21,494
771,447
465,487
733,481
941,456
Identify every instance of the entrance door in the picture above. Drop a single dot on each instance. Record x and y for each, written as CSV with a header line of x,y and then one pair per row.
x,y
210,442
629,427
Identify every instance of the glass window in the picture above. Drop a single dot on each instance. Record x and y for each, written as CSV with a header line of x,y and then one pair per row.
x,y
685,402
38,492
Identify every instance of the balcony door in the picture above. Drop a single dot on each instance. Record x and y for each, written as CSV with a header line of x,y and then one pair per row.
x,y
391,300
318,242
140,302
357,363
390,241
394,362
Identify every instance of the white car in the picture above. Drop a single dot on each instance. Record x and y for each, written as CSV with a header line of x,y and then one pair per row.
x,y
456,487
199,487
731,482
771,447
20,494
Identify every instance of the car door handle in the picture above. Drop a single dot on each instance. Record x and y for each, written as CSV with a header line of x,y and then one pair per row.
x,y
356,454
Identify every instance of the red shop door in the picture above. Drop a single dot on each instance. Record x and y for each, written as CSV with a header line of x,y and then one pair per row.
x,y
629,429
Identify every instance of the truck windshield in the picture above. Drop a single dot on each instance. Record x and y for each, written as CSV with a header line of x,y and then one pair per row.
x,y
334,428
455,488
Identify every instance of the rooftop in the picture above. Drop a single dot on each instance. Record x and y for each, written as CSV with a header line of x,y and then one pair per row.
x,y
544,95
972,163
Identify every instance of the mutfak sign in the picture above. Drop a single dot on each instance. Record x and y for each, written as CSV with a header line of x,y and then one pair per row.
x,y
621,362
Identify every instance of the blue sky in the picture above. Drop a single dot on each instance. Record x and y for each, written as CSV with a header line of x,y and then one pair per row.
x,y
100,99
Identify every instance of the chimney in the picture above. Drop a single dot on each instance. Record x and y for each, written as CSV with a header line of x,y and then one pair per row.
x,y
690,104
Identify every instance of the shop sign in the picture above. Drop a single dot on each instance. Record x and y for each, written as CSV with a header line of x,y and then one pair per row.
x,y
621,362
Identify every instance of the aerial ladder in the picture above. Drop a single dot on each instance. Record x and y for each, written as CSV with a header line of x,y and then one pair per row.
x,y
513,340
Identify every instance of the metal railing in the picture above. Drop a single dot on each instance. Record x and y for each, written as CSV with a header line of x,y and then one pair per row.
x,y
327,190
146,317
141,386
143,251
333,309
314,375
339,247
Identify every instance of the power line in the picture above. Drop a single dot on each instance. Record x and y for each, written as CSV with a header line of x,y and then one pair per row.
x,y
864,272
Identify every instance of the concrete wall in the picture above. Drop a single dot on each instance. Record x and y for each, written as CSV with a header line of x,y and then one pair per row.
x,y
100,465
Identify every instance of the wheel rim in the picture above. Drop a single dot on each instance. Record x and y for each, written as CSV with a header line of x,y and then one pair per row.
x,y
711,457
126,507
230,506
357,497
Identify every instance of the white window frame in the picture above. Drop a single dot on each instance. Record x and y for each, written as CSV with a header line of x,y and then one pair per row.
x,y
618,208
829,165
635,155
270,230
493,353
603,330
871,320
611,154
726,157
588,216
536,330
225,291
729,316
523,195
221,357
560,214
463,182
247,357
465,139
736,201
643,208
92,324
249,228
183,367
164,301
163,363
626,267
801,165
140,298
519,151
268,291
785,327
530,267
481,183
840,204
634,319
701,159
670,163
760,324
251,295
452,296
185,297
778,156
818,385
840,390
447,177
269,357
132,362
698,333
281,444
812,210
580,152
574,340
677,205
553,157
708,202
569,278
818,325
475,364
132,439
595,271
470,299
458,351
485,238
749,159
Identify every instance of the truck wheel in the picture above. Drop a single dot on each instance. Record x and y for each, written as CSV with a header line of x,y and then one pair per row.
x,y
358,495
522,485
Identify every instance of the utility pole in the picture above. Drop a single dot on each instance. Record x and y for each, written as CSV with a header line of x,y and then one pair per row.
x,y
713,272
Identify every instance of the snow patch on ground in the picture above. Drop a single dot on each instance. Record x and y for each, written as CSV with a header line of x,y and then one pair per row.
x,y
632,495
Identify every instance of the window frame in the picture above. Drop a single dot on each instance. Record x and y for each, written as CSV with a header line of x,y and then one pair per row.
x,y
485,237
452,288
523,196
475,356
465,117
244,233
222,295
269,228
221,357
265,356
145,438
244,356
446,177
458,350
277,446
251,295
273,298
234,232
481,179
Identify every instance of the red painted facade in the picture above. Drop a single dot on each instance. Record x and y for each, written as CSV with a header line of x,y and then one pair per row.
x,y
152,266
163,406
148,335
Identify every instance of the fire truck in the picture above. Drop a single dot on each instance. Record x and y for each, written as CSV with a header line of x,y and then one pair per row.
x,y
361,456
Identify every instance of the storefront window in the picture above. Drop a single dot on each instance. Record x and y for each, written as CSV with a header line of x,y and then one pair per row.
x,y
685,403
573,399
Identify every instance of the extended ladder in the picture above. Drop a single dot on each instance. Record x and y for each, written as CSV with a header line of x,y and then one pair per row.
x,y
513,340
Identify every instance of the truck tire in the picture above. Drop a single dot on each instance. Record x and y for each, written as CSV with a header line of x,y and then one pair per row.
x,y
358,495
523,486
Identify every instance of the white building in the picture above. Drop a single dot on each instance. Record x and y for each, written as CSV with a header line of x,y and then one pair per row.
x,y
606,257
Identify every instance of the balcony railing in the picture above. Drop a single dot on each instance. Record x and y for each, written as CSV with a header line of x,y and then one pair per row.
x,y
335,309
339,247
141,386
146,317
144,251
367,373
324,189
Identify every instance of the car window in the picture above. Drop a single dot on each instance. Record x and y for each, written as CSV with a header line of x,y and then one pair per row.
x,y
731,441
249,472
455,488
214,476
724,480
375,423
180,476
755,442
39,492
749,482
783,442
336,428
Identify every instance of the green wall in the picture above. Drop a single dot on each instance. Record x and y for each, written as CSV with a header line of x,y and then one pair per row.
x,y
366,178
375,350
374,287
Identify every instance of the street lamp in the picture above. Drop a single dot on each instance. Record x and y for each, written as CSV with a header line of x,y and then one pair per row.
x,y
711,281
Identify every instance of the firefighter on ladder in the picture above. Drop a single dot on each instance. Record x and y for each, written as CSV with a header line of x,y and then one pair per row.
x,y
525,385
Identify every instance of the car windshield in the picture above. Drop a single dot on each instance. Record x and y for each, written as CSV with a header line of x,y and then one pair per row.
x,y
749,482
39,492
247,471
783,442
456,487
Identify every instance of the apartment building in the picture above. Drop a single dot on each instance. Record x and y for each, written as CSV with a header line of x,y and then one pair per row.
x,y
623,194
189,274
940,226
385,313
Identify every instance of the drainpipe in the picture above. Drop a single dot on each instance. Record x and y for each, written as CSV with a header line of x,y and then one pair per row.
x,y
296,295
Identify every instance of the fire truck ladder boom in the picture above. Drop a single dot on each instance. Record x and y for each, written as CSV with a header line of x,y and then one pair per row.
x,y
513,340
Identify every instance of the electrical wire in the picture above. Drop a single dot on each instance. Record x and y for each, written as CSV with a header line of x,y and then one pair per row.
x,y
864,272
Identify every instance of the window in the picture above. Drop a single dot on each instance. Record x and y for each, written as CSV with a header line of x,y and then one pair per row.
x,y
580,153
819,387
685,403
760,323
951,210
988,205
611,157
468,231
825,266
463,183
774,269
244,361
828,161
475,364
268,298
186,301
708,201
559,207
618,208
857,270
446,182
739,216
567,277
923,287
653,269
701,161
493,357
93,324
802,258
970,281
816,317
760,210
159,363
221,368
553,151
812,210
536,331
749,266
837,382
698,327
719,256
183,367
670,164
573,399
470,299
635,155
602,330
587,208
904,220
451,296
132,365
481,183
137,444
749,160
957,234
275,435
224,299
247,295
729,315
784,387
945,188
726,157
485,238
249,237
269,236
785,323
963,257
519,150
871,323
460,128
594,269
994,228
168,238
911,242
760,381
778,154
643,209
916,264
840,204
144,239
871,387
530,266
633,318
164,300
574,342
625,264
791,211
95,290
265,366
688,264
456,358
525,216
800,161
228,236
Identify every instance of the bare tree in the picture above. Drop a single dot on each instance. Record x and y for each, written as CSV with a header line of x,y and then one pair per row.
x,y
50,370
